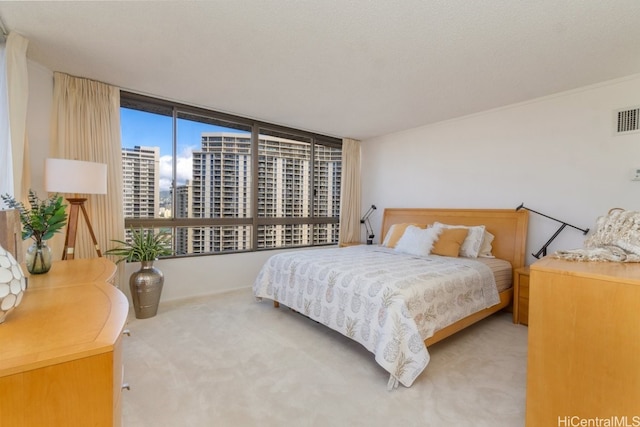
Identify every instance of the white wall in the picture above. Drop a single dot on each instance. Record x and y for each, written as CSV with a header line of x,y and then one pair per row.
x,y
202,275
556,154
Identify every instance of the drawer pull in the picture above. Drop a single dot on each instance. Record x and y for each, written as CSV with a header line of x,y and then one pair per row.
x,y
125,386
126,332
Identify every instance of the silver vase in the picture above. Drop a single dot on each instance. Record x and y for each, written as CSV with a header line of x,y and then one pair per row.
x,y
146,288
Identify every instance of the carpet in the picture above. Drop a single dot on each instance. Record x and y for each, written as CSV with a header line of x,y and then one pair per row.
x,y
228,360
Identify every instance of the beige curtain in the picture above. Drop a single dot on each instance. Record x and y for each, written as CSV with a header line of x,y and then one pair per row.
x,y
350,192
85,125
15,168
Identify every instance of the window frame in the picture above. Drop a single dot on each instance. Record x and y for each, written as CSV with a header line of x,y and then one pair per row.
x,y
149,104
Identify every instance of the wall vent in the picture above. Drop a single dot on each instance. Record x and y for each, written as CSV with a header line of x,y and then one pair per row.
x,y
628,120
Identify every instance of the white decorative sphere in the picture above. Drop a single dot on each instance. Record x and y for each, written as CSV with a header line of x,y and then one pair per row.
x,y
12,283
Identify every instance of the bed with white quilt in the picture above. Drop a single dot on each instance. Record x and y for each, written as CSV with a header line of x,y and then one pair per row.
x,y
436,272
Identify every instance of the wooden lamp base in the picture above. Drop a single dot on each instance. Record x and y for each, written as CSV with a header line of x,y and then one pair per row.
x,y
77,204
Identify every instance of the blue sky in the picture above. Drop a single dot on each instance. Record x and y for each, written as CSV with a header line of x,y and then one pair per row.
x,y
153,130
142,128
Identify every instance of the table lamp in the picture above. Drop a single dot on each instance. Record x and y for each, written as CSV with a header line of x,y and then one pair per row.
x,y
75,177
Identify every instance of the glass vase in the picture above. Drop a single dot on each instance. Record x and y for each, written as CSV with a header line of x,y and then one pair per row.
x,y
38,259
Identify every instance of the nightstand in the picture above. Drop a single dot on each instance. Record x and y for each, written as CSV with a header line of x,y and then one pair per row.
x,y
521,296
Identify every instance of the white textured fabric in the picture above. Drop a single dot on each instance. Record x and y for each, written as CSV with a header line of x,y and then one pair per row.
x,y
350,192
417,241
616,239
471,246
387,301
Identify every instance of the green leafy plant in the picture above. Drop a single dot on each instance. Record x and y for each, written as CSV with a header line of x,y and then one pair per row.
x,y
44,218
145,245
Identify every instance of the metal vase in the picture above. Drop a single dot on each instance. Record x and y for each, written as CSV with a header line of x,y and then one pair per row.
x,y
146,288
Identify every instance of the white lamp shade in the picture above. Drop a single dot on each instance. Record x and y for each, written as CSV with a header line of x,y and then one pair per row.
x,y
75,176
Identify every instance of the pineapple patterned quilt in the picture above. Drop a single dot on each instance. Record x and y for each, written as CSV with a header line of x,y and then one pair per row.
x,y
387,301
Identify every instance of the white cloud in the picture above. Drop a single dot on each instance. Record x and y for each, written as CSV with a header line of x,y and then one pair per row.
x,y
184,163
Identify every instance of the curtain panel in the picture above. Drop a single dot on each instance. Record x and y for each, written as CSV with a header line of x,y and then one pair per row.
x,y
14,94
18,95
6,171
350,193
85,125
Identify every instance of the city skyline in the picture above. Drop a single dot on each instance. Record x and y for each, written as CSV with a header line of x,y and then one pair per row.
x,y
220,186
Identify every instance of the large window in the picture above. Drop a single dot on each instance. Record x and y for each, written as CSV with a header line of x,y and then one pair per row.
x,y
221,183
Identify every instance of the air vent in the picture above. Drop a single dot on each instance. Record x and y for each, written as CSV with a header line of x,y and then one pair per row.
x,y
628,120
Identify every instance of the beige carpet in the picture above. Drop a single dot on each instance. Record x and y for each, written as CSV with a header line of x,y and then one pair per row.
x,y
227,360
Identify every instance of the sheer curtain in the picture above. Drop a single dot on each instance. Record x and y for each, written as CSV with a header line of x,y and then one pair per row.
x,y
350,192
14,94
6,171
85,125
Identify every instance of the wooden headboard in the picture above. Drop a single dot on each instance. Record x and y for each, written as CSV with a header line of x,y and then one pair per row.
x,y
507,225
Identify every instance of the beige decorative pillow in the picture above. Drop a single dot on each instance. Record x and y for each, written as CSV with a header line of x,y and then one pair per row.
x,y
471,246
449,241
395,233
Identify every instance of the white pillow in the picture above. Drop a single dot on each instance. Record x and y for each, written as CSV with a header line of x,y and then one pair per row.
x,y
417,241
485,247
471,246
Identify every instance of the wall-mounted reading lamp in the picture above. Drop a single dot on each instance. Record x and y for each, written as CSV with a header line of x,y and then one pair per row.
x,y
367,224
543,250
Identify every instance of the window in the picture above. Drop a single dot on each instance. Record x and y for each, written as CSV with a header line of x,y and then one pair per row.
x,y
221,183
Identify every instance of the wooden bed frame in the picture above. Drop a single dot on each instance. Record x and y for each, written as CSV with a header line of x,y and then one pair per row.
x,y
507,225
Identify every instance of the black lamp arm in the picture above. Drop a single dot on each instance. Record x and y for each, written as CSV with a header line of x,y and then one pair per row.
x,y
543,249
522,206
367,224
368,214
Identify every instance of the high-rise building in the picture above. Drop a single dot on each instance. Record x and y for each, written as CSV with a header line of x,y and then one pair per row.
x,y
183,209
141,178
222,188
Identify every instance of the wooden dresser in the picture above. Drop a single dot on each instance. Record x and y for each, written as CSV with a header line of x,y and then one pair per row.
x,y
584,343
60,350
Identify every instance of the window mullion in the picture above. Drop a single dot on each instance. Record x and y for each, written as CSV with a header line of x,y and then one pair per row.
x,y
174,161
255,165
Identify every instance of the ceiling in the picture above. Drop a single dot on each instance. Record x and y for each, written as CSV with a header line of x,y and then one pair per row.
x,y
356,68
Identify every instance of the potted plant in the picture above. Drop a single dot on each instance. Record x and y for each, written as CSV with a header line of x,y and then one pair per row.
x,y
44,218
144,246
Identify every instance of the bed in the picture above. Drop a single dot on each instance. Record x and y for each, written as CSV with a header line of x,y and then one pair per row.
x,y
396,304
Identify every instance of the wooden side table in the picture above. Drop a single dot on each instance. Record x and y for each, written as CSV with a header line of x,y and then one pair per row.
x,y
521,295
